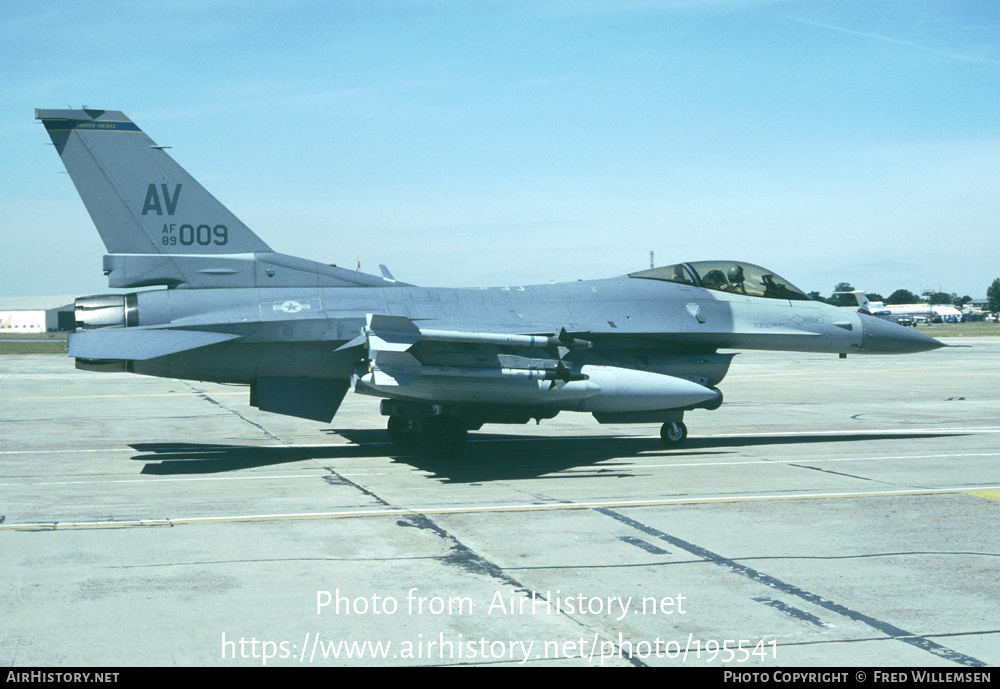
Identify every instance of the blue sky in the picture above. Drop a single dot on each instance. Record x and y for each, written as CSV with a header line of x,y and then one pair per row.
x,y
498,143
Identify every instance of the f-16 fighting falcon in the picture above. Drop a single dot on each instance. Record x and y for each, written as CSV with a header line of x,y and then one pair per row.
x,y
638,348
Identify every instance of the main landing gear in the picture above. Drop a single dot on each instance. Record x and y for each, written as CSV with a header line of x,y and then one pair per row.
x,y
444,436
440,436
673,433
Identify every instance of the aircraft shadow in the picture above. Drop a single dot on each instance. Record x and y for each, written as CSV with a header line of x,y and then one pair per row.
x,y
488,457
167,459
504,457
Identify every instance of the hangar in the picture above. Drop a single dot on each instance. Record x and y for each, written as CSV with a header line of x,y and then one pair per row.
x,y
23,315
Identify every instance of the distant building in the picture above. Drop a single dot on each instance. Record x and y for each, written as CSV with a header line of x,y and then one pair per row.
x,y
977,310
23,315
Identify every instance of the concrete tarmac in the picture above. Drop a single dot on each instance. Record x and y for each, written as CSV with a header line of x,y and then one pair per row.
x,y
831,513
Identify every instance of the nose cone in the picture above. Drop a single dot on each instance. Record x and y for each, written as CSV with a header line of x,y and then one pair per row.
x,y
885,337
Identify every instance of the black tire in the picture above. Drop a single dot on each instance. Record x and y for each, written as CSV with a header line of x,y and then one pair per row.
x,y
673,433
402,432
443,437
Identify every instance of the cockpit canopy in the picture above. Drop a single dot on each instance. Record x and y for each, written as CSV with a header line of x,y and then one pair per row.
x,y
727,276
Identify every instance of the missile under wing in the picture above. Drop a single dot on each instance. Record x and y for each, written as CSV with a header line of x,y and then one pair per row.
x,y
637,348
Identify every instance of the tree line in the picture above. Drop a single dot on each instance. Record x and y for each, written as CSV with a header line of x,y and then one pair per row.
x,y
905,296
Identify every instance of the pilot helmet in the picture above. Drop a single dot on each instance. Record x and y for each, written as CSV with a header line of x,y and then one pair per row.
x,y
735,274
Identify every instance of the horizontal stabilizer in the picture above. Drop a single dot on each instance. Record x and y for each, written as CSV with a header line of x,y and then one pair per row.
x,y
139,344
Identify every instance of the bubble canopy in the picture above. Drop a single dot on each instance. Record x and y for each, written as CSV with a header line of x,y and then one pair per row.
x,y
734,277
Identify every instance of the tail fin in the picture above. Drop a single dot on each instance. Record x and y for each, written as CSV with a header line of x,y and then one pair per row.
x,y
159,225
141,201
864,305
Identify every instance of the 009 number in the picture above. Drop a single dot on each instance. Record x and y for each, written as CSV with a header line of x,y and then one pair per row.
x,y
202,235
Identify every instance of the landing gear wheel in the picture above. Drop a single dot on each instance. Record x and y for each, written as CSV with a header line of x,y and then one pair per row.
x,y
673,433
443,437
403,433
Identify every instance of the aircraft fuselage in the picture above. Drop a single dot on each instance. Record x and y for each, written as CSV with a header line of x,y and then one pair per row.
x,y
296,331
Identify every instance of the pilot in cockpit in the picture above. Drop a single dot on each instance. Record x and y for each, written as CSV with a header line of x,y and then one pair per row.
x,y
735,278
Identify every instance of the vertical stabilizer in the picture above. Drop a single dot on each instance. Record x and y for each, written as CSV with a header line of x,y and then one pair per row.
x,y
141,201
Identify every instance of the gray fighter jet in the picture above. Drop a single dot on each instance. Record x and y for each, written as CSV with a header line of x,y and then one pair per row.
x,y
639,348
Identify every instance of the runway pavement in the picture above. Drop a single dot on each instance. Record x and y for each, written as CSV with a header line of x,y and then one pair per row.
x,y
832,512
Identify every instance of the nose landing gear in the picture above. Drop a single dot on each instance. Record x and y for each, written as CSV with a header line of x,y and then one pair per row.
x,y
673,433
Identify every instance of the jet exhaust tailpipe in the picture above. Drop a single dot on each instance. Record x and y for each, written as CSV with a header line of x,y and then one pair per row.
x,y
107,311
